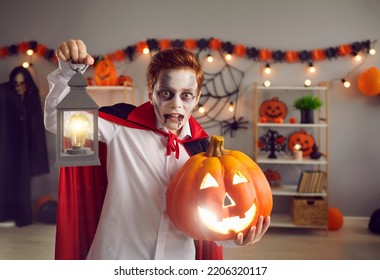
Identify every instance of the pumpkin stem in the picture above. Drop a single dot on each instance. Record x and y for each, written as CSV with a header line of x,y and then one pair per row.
x,y
216,148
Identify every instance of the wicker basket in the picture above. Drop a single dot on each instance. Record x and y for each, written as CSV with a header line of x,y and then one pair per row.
x,y
309,211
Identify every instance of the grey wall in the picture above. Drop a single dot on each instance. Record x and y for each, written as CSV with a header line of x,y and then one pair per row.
x,y
293,24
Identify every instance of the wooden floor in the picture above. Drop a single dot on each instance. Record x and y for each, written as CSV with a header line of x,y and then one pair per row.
x,y
352,242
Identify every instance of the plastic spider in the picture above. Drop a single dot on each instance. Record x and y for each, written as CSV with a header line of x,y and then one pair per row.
x,y
233,125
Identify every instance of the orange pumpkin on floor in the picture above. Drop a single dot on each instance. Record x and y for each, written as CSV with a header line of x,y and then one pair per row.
x,y
335,218
105,73
218,193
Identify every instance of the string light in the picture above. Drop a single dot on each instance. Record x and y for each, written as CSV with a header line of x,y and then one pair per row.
x,y
201,109
145,50
311,67
346,83
358,57
267,69
210,58
253,53
30,52
26,64
231,107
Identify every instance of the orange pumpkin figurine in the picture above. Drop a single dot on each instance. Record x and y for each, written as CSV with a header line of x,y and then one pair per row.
x,y
272,109
335,218
105,73
279,120
304,139
218,193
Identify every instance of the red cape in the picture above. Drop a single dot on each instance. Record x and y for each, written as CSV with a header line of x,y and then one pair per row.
x,y
82,189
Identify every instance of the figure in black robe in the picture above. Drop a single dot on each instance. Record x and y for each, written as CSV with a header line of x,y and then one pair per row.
x,y
23,150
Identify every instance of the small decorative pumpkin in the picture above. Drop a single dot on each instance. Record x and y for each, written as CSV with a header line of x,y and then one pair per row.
x,y
46,209
124,80
273,109
105,73
306,141
89,81
218,193
335,218
278,120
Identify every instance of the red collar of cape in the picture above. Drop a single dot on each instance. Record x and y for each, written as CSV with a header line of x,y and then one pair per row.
x,y
143,117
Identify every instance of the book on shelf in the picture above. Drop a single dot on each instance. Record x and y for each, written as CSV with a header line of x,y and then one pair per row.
x,y
311,181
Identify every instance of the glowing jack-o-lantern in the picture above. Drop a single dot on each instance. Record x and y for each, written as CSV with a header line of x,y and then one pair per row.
x,y
304,139
273,109
218,193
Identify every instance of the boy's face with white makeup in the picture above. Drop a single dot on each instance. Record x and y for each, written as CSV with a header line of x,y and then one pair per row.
x,y
174,97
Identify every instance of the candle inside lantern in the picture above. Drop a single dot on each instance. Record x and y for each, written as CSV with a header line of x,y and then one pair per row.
x,y
297,152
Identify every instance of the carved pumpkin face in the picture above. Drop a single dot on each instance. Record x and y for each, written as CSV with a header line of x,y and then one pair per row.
x,y
105,73
302,138
273,109
217,194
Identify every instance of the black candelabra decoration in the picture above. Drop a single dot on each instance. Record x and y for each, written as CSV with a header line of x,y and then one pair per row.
x,y
272,141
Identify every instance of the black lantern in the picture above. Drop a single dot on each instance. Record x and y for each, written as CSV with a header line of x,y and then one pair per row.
x,y
77,126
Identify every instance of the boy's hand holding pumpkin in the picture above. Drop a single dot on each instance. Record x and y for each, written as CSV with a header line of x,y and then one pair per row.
x,y
255,233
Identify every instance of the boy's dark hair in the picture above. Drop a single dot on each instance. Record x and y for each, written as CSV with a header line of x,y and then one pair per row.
x,y
170,59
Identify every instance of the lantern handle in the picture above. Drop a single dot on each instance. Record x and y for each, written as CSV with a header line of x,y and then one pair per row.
x,y
78,69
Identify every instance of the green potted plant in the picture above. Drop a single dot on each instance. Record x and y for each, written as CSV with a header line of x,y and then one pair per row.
x,y
307,104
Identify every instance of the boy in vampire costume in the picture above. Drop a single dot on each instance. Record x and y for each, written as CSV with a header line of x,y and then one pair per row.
x,y
117,210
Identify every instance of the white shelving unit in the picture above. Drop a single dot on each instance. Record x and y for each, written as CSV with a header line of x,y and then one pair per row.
x,y
319,130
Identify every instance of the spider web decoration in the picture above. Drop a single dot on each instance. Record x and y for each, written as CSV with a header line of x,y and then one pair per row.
x,y
219,89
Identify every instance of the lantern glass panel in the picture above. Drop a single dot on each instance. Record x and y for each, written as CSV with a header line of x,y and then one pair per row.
x,y
77,138
78,127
